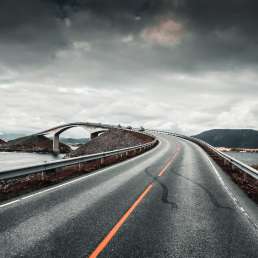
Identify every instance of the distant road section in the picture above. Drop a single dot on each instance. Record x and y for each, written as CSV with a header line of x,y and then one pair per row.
x,y
172,201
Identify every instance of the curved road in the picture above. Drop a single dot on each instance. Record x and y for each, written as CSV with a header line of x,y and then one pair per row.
x,y
169,202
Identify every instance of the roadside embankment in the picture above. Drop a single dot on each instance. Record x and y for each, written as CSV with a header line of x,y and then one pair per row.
x,y
246,182
117,139
111,140
34,143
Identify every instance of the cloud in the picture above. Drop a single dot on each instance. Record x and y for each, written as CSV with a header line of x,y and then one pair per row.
x,y
167,32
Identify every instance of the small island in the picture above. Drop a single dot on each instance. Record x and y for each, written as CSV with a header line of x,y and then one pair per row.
x,y
33,143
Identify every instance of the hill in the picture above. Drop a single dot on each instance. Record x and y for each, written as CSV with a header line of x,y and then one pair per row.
x,y
111,140
230,138
35,143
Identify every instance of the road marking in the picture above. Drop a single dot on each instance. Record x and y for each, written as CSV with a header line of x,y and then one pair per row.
x,y
79,179
232,196
178,148
9,203
102,245
119,224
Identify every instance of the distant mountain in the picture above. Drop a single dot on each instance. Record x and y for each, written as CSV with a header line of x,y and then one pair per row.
x,y
230,138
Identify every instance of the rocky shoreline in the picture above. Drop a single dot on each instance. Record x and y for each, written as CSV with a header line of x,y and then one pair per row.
x,y
35,144
111,140
224,149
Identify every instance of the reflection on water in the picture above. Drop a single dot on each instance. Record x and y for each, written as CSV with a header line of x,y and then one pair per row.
x,y
250,158
10,160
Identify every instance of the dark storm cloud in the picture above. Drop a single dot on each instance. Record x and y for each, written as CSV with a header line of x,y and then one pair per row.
x,y
223,31
43,14
216,32
201,15
24,21
111,9
30,33
212,15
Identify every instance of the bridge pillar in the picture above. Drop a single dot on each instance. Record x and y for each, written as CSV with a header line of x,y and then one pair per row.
x,y
56,149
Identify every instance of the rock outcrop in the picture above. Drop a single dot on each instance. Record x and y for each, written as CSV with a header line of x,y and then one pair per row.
x,y
2,141
35,143
111,140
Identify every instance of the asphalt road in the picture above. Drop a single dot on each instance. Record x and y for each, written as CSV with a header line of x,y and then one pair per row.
x,y
170,202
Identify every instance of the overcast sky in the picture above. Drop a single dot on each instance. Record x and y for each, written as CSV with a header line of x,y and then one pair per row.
x,y
184,65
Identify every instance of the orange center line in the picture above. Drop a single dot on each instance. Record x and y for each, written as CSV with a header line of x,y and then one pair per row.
x,y
118,225
122,220
170,161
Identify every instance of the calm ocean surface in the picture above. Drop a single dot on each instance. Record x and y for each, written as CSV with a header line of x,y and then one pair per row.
x,y
246,157
10,160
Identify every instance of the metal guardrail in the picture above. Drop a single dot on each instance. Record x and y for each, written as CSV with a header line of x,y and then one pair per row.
x,y
237,163
240,165
25,171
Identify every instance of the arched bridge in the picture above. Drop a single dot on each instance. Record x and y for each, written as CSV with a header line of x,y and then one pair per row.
x,y
93,128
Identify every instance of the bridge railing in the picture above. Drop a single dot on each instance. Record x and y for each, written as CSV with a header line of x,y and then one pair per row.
x,y
49,166
226,158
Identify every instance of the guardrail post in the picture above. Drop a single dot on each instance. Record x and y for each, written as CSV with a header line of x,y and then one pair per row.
x,y
42,175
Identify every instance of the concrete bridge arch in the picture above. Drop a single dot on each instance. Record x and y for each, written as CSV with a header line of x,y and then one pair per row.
x,y
94,129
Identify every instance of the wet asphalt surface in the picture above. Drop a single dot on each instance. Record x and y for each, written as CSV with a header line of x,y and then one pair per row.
x,y
187,213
